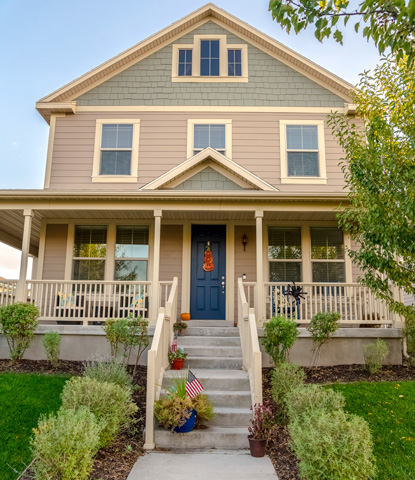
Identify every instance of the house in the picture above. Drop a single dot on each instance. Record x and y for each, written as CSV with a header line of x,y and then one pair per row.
x,y
194,172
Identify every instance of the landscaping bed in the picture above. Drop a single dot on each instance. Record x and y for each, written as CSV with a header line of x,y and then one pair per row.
x,y
284,460
115,461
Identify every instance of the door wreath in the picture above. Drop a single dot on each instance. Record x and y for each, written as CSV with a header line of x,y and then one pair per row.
x,y
208,266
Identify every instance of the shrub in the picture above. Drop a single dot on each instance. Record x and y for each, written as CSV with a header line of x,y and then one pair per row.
x,y
173,411
111,404
375,354
305,399
52,346
322,328
204,409
105,369
285,377
261,422
280,335
18,323
64,445
333,445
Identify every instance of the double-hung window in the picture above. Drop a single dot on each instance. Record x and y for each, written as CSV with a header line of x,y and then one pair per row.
x,y
234,62
302,151
185,62
131,253
89,252
284,254
209,136
209,58
327,254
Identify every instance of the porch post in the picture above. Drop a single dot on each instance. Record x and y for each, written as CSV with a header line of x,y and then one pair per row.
x,y
259,291
21,291
154,302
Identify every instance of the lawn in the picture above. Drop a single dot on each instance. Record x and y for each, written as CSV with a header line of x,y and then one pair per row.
x,y
389,408
23,398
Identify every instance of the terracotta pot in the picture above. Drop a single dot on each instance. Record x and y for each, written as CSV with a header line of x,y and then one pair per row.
x,y
177,364
185,316
189,424
257,446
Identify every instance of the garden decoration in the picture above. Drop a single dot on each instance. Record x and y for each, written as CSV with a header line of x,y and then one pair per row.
x,y
208,266
177,358
298,294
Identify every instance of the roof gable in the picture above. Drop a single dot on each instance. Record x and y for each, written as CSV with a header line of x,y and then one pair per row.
x,y
209,179
212,159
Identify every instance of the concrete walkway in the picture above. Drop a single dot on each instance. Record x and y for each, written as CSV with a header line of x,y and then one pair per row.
x,y
202,465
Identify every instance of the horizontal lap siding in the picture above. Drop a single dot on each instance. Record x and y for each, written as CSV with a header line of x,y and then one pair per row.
x,y
163,145
245,261
55,252
356,271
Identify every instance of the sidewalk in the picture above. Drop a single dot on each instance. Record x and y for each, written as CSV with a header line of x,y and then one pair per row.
x,y
202,465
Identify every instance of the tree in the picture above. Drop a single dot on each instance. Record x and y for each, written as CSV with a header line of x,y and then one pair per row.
x,y
379,169
389,23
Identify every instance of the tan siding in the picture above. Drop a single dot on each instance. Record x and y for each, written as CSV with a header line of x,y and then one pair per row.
x,y
171,253
356,271
245,261
163,145
55,252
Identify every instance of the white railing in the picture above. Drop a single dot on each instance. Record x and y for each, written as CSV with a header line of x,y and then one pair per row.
x,y
157,359
250,293
87,301
7,291
251,353
355,303
164,291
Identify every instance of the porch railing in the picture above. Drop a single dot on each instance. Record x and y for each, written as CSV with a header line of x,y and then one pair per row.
x,y
251,353
157,360
89,300
355,303
7,291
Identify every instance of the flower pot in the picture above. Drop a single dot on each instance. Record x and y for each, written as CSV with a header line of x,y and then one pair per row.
x,y
185,316
257,446
177,364
188,425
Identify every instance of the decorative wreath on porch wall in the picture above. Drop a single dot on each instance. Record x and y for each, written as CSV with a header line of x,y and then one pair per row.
x,y
208,266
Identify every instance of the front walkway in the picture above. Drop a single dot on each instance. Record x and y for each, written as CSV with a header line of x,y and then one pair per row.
x,y
202,465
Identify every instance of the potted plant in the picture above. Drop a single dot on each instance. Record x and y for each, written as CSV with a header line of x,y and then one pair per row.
x,y
180,413
185,316
177,358
260,427
178,327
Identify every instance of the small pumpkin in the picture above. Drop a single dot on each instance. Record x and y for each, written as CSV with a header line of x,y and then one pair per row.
x,y
185,317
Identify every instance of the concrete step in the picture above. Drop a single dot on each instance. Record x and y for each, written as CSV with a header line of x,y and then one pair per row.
x,y
209,323
187,340
231,417
235,398
211,331
214,379
204,351
213,437
228,363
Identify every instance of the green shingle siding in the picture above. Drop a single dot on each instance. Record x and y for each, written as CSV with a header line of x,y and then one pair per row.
x,y
208,179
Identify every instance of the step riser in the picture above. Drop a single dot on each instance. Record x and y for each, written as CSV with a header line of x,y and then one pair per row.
x,y
226,384
231,419
189,341
215,363
211,332
230,400
201,439
202,351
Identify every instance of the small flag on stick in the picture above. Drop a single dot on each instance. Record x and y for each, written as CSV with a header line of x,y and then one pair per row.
x,y
193,386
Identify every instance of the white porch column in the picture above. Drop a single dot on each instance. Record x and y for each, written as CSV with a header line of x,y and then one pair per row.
x,y
154,301
21,292
259,291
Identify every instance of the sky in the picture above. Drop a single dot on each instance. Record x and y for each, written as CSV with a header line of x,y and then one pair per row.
x,y
46,44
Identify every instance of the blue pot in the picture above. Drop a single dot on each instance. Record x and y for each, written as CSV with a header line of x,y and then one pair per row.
x,y
188,425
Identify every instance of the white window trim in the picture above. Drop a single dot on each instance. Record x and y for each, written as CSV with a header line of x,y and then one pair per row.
x,y
223,55
191,122
132,178
322,178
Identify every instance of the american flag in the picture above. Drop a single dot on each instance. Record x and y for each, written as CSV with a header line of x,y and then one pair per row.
x,y
193,386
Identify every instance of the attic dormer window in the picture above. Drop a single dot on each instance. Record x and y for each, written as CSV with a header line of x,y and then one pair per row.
x,y
209,58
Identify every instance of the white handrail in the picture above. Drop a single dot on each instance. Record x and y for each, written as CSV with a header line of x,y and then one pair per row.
x,y
251,353
157,359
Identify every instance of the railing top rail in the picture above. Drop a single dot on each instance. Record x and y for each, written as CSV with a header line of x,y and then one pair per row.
x,y
8,280
90,282
315,284
241,293
248,284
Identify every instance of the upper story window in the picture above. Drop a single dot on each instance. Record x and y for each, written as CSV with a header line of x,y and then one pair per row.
x,y
210,59
302,151
185,62
214,133
116,151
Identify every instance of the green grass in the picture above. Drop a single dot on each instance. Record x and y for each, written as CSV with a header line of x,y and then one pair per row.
x,y
389,409
22,399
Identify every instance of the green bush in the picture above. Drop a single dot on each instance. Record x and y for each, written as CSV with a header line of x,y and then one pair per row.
x,y
285,377
204,410
18,323
52,345
108,370
64,445
280,335
305,399
335,446
111,404
375,354
322,328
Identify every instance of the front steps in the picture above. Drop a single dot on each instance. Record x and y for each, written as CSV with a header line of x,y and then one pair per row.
x,y
215,357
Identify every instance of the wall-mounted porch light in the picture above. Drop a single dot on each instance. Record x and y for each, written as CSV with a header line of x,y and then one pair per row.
x,y
244,241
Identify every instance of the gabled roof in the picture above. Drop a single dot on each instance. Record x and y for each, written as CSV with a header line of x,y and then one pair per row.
x,y
209,157
124,60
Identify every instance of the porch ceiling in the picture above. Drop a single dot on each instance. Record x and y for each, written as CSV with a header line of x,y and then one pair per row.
x,y
11,229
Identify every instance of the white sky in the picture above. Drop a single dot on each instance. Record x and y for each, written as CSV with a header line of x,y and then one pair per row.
x,y
46,44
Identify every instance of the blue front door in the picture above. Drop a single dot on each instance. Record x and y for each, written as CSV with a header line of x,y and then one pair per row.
x,y
208,272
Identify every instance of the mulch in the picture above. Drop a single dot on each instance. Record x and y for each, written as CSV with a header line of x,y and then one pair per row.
x,y
278,447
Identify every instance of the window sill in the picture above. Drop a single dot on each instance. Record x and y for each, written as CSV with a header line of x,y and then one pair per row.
x,y
194,79
304,180
114,179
